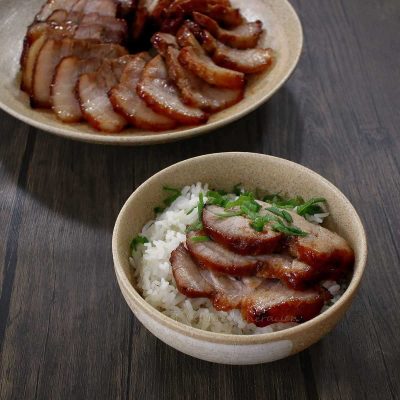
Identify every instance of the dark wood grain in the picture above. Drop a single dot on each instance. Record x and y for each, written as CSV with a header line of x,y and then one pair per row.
x,y
65,330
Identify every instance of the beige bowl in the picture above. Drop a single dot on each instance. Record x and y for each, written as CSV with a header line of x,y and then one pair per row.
x,y
224,170
284,35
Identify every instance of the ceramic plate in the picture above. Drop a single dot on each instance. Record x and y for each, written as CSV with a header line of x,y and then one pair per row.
x,y
284,36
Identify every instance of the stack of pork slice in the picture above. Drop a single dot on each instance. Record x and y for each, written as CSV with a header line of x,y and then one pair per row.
x,y
270,276
75,61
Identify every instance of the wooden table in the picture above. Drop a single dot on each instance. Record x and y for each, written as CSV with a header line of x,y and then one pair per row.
x,y
65,330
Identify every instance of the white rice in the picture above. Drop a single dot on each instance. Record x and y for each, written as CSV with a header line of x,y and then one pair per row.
x,y
156,283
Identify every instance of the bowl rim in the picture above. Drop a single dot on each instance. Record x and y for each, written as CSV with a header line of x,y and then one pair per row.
x,y
149,137
229,338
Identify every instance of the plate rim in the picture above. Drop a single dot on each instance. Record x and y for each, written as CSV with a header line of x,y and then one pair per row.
x,y
153,138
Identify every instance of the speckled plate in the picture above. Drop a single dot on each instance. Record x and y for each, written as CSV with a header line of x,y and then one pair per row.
x,y
284,36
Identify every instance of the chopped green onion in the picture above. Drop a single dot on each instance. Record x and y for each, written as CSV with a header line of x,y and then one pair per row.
x,y
288,230
199,239
159,210
191,210
281,213
249,210
197,226
237,189
273,198
229,214
175,193
200,205
259,222
216,198
139,239
243,198
288,203
309,206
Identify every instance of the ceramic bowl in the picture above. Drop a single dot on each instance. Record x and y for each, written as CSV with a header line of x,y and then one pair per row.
x,y
224,170
284,35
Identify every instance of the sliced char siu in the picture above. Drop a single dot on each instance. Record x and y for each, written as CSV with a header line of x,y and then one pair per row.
x,y
248,61
213,256
236,234
194,58
197,92
126,101
53,5
194,91
67,25
162,41
160,93
321,248
325,251
244,36
220,11
262,301
52,52
93,91
63,92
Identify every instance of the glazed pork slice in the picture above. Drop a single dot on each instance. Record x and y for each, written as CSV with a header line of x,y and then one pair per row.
x,y
28,62
213,256
126,101
161,41
156,9
188,276
261,301
52,52
53,5
245,36
159,93
194,58
273,302
220,11
125,7
101,7
249,61
64,99
64,25
93,91
325,251
321,248
196,92
236,234
100,33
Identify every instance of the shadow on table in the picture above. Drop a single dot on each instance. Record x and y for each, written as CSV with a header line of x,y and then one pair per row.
x,y
90,183
182,377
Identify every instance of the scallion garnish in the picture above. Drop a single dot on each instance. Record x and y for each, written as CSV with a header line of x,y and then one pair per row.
x,y
197,226
288,230
199,239
309,207
139,239
229,214
191,210
159,210
216,198
259,222
243,198
237,189
281,213
175,193
273,198
200,205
